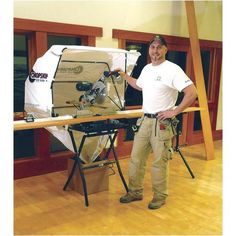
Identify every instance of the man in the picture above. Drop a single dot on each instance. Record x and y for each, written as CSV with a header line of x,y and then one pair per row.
x,y
160,82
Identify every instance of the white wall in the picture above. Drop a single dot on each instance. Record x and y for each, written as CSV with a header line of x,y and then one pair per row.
x,y
164,17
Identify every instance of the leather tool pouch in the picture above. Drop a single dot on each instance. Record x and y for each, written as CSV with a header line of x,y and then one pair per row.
x,y
167,128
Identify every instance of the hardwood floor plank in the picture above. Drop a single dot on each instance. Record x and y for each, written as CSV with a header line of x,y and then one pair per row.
x,y
194,206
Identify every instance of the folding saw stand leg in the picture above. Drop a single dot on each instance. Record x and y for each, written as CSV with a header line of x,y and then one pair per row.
x,y
177,149
78,163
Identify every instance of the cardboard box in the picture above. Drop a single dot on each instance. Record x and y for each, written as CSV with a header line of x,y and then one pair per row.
x,y
97,179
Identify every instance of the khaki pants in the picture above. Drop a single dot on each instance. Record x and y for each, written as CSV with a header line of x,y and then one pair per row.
x,y
156,136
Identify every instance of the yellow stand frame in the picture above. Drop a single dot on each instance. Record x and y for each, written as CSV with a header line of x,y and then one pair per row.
x,y
200,85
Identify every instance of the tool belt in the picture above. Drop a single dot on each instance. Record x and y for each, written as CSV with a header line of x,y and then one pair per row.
x,y
172,121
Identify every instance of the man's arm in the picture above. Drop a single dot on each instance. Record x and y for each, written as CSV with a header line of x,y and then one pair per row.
x,y
130,80
190,94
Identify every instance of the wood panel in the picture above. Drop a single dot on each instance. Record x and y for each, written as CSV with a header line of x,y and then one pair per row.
x,y
146,37
41,43
27,167
44,26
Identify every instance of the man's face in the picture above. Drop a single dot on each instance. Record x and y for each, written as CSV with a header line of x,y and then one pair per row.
x,y
157,51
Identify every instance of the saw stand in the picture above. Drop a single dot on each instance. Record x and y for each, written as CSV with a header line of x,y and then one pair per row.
x,y
92,129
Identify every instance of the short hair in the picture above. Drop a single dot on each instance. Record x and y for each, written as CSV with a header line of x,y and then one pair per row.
x,y
160,39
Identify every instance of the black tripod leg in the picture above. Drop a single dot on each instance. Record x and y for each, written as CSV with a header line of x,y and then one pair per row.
x,y
117,161
177,145
185,162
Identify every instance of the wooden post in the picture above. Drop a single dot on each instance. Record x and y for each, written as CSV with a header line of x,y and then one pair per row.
x,y
198,71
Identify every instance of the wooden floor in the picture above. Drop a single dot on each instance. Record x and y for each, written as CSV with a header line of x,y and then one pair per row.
x,y
194,206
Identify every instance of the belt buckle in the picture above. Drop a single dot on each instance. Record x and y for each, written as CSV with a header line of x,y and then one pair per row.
x,y
150,115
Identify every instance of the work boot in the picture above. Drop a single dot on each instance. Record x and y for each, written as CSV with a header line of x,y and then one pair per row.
x,y
130,197
156,203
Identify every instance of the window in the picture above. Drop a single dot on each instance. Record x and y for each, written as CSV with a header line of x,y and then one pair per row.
x,y
178,57
23,140
133,97
32,38
205,56
63,40
24,144
21,69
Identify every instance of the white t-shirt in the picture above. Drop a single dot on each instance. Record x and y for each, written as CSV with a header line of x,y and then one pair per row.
x,y
160,85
